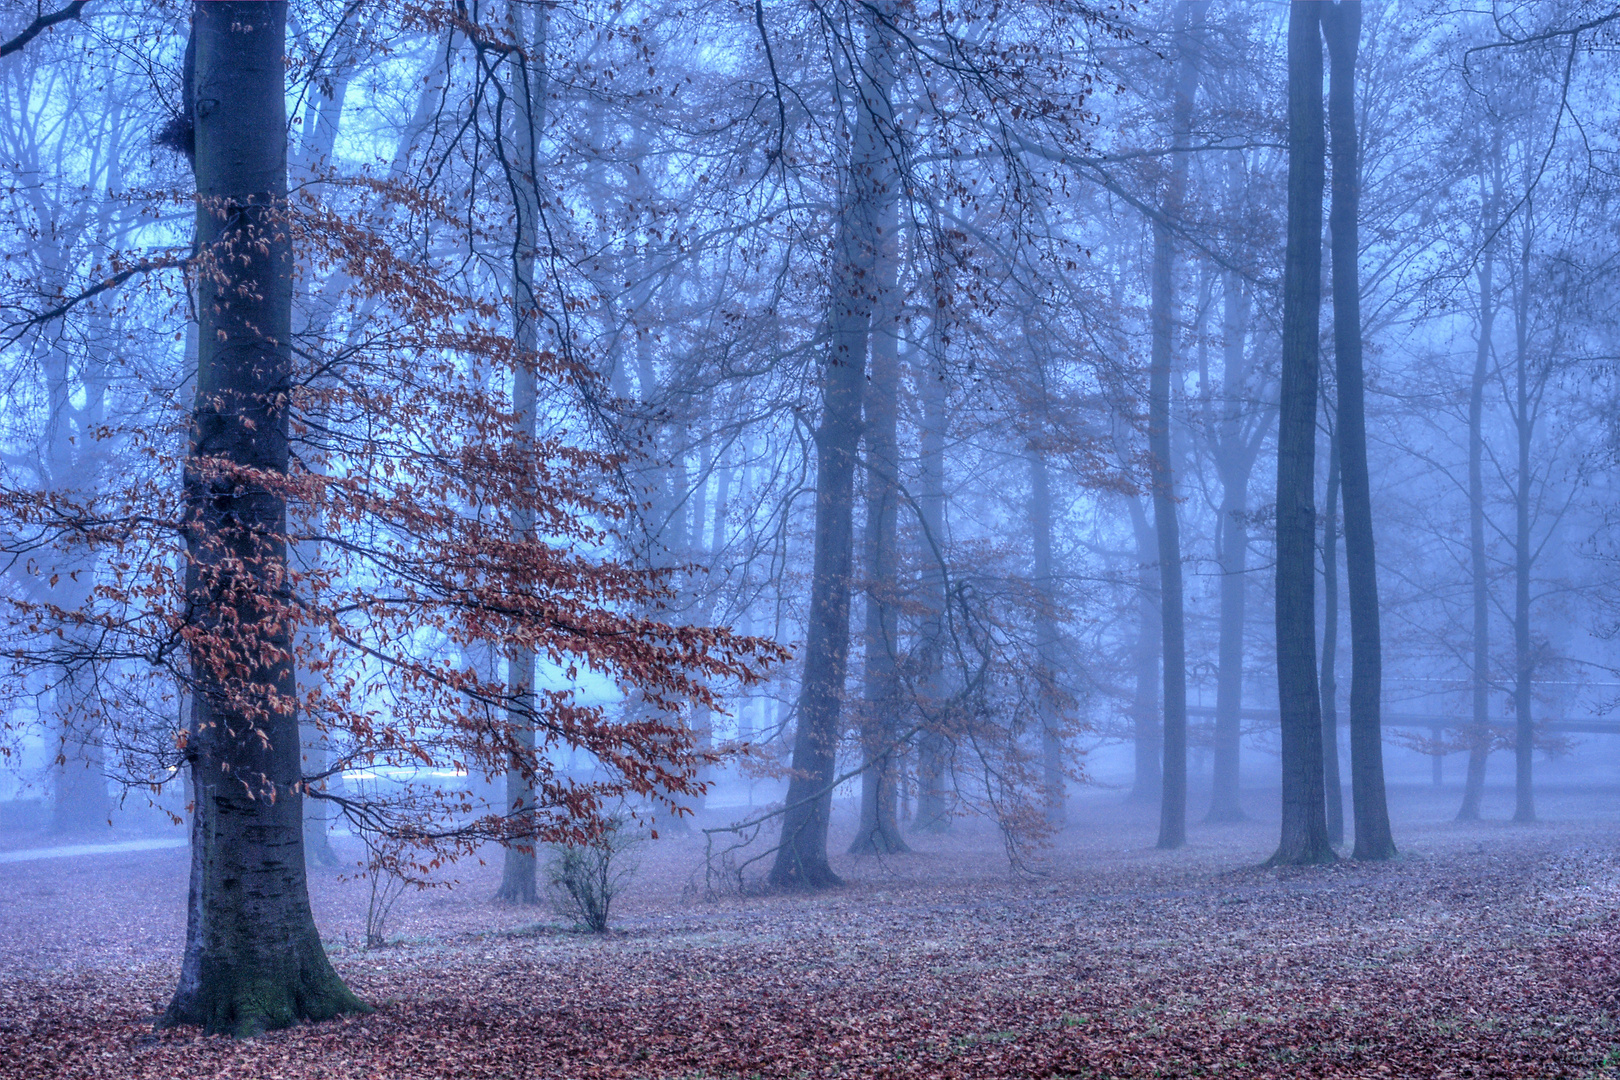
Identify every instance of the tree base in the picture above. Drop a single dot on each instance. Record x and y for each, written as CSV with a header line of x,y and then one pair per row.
x,y
1226,816
244,1004
879,841
518,880
1374,852
804,878
1307,857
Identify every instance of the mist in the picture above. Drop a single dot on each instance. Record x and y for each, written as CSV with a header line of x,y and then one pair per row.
x,y
619,539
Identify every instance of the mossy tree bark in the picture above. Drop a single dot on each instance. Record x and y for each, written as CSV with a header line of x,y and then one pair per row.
x,y
253,959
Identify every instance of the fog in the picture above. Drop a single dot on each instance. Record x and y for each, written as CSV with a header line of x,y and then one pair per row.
x,y
504,469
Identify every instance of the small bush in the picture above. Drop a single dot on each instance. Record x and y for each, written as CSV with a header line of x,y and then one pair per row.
x,y
585,878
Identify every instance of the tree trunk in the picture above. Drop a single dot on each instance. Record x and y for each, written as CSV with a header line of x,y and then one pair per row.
x,y
1147,734
1524,805
1235,465
527,89
933,749
1173,797
879,829
1053,787
801,856
1330,649
1341,25
1304,819
253,959
79,800
1479,743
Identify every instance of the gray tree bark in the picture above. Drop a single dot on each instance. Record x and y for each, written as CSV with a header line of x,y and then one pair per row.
x,y
1240,431
1173,792
933,748
1147,733
253,959
1341,26
879,829
1524,422
1304,819
527,90
801,855
1332,788
1047,643
1480,736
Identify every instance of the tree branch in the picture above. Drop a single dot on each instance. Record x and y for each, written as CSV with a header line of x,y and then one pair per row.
x,y
42,24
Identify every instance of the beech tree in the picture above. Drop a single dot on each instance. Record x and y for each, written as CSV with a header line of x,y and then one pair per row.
x,y
1341,27
1304,822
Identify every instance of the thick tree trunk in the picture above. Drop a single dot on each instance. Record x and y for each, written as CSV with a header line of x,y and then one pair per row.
x,y
1147,734
1341,24
1053,786
1330,650
1304,819
1479,742
801,856
1173,797
879,829
253,959
527,89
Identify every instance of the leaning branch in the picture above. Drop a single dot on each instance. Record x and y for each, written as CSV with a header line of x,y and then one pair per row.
x,y
15,330
40,25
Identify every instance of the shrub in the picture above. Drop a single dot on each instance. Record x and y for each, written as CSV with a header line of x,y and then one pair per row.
x,y
585,878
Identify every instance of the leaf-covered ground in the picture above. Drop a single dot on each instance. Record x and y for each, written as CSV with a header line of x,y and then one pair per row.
x,y
1487,950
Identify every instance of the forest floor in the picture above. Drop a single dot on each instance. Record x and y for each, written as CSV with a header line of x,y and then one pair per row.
x,y
1484,950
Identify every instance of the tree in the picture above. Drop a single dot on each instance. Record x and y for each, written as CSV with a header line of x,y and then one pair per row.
x,y
801,858
253,959
1304,820
879,828
526,90
1341,27
1173,798
1479,735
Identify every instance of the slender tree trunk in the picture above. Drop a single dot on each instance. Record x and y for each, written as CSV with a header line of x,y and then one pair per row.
x,y
80,802
879,829
1330,649
1053,787
253,959
1304,818
1236,463
801,856
1341,24
702,717
1524,804
1146,730
1479,743
527,89
933,748
1173,798
324,118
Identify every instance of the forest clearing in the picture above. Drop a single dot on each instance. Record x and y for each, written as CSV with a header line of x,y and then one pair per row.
x,y
1485,950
